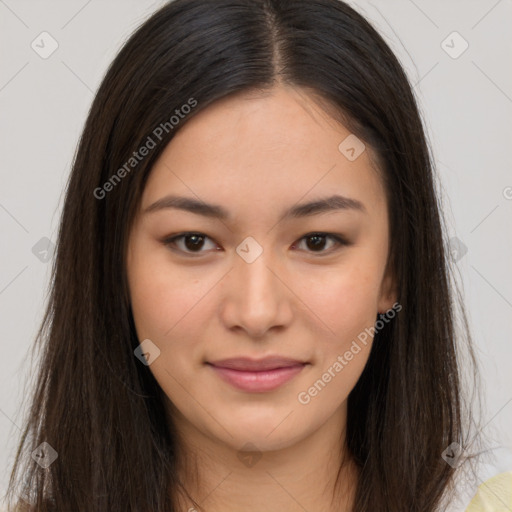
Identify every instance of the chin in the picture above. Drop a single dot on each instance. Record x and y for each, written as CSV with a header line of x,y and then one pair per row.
x,y
272,432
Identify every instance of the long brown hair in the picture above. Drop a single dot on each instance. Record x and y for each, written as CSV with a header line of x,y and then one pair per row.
x,y
95,404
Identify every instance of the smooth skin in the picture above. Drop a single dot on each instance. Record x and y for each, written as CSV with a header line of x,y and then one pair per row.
x,y
257,155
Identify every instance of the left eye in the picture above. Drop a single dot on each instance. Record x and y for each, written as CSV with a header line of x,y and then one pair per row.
x,y
318,241
194,242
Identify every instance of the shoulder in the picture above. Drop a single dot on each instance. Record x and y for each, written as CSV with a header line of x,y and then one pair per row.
x,y
493,494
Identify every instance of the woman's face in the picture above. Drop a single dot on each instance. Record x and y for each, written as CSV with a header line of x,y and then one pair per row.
x,y
251,284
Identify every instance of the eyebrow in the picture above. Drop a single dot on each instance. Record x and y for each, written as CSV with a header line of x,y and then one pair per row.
x,y
323,205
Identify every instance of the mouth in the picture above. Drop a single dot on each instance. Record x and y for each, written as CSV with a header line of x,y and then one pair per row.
x,y
257,376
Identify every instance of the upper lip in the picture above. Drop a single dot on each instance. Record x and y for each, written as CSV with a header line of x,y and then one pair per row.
x,y
248,364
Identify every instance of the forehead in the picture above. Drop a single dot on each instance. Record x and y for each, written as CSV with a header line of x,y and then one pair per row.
x,y
256,150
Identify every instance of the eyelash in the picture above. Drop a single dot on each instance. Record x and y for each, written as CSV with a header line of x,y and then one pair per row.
x,y
171,242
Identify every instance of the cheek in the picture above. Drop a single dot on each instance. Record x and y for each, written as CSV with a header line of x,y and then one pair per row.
x,y
163,301
167,309
344,301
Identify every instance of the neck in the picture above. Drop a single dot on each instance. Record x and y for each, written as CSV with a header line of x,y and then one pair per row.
x,y
297,477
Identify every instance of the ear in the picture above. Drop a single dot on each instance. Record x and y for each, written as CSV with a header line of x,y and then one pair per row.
x,y
388,294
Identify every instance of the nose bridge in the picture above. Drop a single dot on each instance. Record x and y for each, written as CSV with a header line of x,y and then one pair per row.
x,y
253,275
256,296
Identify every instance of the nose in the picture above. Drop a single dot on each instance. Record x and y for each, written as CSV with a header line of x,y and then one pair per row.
x,y
256,297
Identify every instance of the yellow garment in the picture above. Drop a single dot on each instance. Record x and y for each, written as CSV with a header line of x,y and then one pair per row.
x,y
494,495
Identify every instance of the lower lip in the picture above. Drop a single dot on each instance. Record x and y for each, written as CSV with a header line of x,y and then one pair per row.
x,y
258,382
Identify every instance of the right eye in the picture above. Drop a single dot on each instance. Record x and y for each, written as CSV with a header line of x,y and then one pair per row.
x,y
192,242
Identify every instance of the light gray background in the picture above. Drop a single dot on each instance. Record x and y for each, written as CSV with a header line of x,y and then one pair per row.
x,y
467,103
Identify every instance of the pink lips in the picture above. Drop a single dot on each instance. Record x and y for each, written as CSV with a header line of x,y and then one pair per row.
x,y
257,376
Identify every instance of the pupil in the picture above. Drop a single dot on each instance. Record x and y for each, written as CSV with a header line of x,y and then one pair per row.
x,y
320,241
193,245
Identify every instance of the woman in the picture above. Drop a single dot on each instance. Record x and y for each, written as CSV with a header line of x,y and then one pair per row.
x,y
251,306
